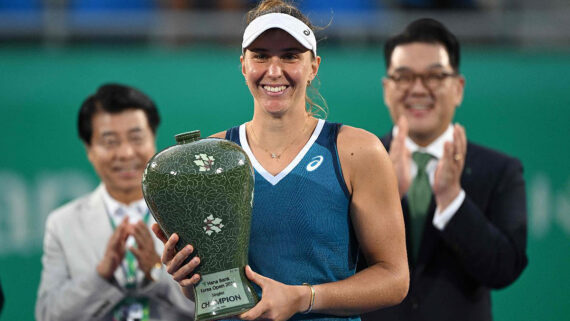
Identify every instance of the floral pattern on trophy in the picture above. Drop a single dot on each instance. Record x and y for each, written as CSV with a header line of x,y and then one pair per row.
x,y
202,189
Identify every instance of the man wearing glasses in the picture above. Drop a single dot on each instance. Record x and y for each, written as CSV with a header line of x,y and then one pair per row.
x,y
100,261
464,204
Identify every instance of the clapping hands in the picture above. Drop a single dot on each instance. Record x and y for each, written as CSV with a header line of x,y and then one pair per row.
x,y
446,185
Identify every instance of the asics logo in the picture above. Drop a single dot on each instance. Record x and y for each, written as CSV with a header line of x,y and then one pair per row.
x,y
315,163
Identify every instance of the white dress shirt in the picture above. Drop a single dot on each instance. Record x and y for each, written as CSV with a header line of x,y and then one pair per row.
x,y
441,217
117,211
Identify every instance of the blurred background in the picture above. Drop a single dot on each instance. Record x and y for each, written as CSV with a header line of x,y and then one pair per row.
x,y
185,55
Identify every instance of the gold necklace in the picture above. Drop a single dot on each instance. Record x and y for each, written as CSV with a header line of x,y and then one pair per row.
x,y
277,156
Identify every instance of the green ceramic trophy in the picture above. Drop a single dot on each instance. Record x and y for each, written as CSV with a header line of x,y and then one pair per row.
x,y
202,189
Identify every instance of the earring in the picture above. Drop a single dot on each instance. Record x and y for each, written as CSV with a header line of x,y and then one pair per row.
x,y
308,83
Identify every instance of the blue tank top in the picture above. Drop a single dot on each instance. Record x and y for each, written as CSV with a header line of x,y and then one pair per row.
x,y
301,229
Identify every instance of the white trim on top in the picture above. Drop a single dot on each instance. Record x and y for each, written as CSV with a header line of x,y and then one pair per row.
x,y
273,180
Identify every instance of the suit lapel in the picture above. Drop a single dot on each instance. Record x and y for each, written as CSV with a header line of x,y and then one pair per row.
x,y
98,228
96,222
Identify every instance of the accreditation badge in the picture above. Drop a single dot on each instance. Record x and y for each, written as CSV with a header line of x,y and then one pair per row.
x,y
132,309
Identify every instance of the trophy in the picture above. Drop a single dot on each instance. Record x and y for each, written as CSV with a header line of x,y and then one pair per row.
x,y
202,189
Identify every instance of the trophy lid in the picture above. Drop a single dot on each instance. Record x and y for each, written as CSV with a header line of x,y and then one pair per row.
x,y
187,137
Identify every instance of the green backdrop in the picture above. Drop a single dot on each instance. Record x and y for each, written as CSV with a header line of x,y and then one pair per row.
x,y
516,101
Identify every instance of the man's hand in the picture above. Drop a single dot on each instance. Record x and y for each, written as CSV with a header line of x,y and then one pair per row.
x,y
115,251
401,157
144,250
447,184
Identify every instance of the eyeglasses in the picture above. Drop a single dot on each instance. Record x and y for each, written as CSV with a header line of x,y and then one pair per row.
x,y
432,80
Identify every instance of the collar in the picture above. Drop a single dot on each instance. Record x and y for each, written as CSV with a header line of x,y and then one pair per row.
x,y
117,210
435,148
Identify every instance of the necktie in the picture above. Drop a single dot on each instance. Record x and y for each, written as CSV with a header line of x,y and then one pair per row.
x,y
419,197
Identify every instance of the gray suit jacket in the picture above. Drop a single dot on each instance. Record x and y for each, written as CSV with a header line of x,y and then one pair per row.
x,y
75,239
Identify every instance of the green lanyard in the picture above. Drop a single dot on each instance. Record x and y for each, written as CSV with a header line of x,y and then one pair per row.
x,y
132,309
131,270
138,308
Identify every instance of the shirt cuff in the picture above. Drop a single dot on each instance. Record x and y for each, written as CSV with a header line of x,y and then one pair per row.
x,y
441,218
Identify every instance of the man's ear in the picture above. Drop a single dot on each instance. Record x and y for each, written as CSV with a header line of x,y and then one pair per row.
x,y
88,152
459,90
384,85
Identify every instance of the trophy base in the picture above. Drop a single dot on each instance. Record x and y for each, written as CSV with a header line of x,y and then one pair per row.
x,y
223,294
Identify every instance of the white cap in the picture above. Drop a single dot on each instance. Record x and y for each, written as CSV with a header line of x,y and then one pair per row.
x,y
293,26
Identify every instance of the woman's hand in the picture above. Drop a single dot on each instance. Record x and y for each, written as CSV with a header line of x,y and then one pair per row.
x,y
174,262
279,301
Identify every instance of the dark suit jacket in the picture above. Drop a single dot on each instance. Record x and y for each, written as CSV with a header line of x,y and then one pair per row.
x,y
1,299
482,247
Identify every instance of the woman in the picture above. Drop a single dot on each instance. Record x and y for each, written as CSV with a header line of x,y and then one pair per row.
x,y
321,190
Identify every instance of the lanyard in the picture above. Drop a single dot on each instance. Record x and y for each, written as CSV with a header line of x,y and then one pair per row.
x,y
132,309
130,270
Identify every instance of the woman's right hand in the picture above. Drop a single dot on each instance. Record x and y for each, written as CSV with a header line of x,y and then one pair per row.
x,y
174,262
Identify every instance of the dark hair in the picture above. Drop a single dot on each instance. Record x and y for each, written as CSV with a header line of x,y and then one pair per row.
x,y
428,31
114,98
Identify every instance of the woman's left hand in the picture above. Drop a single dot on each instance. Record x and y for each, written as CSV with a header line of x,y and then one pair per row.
x,y
279,301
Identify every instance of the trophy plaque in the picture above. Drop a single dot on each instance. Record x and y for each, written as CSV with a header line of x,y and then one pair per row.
x,y
202,189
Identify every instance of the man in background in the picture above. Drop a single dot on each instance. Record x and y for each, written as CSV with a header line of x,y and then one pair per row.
x,y
464,204
100,261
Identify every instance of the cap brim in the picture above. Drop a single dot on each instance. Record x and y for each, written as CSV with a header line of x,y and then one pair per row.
x,y
293,26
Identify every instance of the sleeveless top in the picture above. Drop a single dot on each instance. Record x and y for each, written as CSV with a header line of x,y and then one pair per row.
x,y
301,229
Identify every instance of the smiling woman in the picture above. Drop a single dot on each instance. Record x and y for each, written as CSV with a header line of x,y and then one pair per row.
x,y
322,190
278,76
